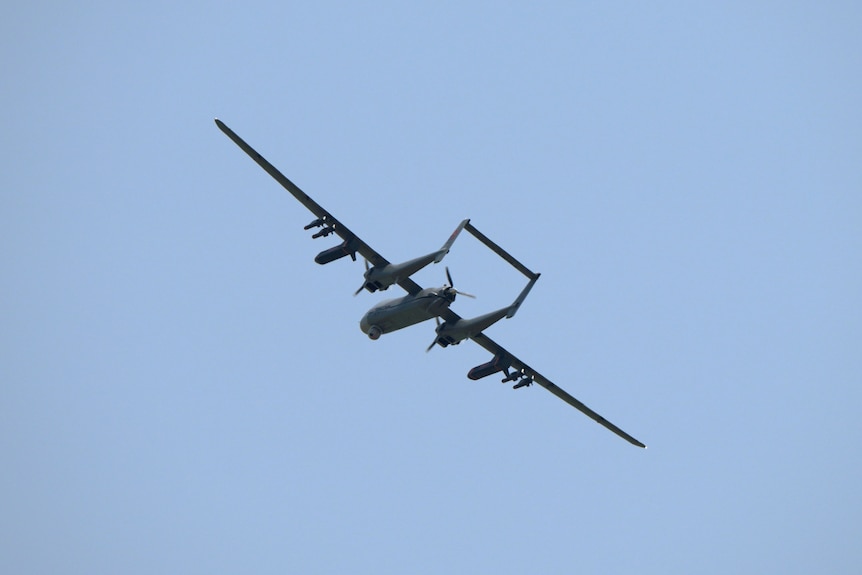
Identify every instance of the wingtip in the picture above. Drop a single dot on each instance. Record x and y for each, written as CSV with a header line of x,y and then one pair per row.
x,y
227,131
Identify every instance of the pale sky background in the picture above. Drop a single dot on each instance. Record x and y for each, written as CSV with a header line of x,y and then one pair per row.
x,y
183,390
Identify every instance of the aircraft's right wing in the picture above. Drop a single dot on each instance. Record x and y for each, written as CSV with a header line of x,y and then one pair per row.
x,y
527,374
325,220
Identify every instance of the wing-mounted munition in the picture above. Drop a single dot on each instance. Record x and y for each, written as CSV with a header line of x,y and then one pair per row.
x,y
502,362
423,304
380,277
329,225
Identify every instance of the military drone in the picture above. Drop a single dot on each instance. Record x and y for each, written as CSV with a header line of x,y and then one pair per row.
x,y
429,303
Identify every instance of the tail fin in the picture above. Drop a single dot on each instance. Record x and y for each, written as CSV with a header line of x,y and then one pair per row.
x,y
514,307
445,249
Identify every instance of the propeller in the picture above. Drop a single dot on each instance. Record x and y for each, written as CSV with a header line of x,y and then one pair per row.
x,y
362,287
433,343
450,286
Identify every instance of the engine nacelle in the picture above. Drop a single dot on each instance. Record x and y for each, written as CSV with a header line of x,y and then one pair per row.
x,y
497,364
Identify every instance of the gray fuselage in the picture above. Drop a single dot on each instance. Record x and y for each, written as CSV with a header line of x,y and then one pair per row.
x,y
394,314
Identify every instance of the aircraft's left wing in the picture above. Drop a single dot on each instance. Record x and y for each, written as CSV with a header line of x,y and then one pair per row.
x,y
531,374
524,375
329,223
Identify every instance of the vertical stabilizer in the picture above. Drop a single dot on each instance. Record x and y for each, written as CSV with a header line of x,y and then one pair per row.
x,y
448,245
523,295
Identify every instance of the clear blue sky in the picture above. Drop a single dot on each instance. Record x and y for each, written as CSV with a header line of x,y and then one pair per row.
x,y
183,390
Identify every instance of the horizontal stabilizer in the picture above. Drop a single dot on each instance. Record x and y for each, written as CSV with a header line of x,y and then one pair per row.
x,y
500,251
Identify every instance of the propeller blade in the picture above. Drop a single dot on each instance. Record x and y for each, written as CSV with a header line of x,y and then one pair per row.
x,y
362,287
449,277
465,294
433,343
